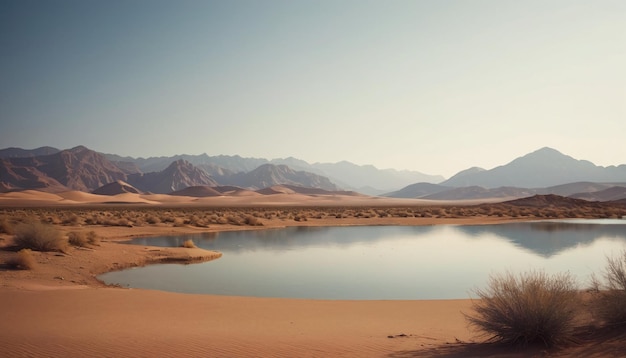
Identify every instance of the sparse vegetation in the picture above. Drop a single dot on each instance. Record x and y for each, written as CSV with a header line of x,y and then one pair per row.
x,y
240,216
39,237
22,260
609,303
531,308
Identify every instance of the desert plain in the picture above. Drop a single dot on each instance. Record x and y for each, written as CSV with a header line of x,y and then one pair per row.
x,y
60,309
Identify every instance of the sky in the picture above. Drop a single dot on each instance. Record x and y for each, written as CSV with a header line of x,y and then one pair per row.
x,y
433,86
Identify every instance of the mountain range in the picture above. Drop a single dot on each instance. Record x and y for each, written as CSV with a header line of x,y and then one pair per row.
x,y
545,171
366,179
539,169
82,169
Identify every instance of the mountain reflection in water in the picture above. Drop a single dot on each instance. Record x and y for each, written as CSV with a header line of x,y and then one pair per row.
x,y
378,262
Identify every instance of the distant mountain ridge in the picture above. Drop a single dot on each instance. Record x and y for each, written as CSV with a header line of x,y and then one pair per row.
x,y
268,175
80,168
22,153
85,170
583,190
364,178
542,168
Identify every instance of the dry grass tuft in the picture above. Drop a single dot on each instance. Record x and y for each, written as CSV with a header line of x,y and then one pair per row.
x,y
82,239
532,308
23,260
39,237
189,244
609,303
77,239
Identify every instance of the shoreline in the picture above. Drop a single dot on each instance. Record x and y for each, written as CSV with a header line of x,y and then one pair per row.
x,y
60,309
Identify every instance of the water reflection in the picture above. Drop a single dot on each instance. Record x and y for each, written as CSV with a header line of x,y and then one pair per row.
x,y
549,238
287,238
383,262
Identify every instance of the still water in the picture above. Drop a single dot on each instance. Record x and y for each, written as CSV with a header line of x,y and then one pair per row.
x,y
379,262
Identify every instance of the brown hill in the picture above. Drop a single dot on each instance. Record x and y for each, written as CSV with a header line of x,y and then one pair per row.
x,y
611,194
117,187
549,200
197,191
294,189
477,192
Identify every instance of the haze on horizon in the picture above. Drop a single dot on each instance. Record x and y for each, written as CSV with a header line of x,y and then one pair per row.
x,y
433,86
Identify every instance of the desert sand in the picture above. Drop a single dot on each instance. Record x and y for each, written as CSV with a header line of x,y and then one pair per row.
x,y
60,309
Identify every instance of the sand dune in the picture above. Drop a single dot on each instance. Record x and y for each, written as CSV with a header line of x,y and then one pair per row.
x,y
277,195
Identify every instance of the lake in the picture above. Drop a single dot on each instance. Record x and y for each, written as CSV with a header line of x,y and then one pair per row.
x,y
379,262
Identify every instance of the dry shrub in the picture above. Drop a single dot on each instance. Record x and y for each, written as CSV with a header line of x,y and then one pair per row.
x,y
189,244
609,303
178,222
233,220
153,219
39,237
77,239
5,226
532,308
221,220
82,239
71,219
253,221
23,260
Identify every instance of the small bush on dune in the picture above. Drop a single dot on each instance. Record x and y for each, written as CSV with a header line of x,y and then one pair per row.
x,y
610,302
23,260
39,236
527,309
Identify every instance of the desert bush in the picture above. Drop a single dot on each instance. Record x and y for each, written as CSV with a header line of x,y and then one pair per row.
x,y
82,239
153,219
39,236
189,244
71,219
23,260
5,226
609,303
532,308
233,220
77,239
253,221
178,222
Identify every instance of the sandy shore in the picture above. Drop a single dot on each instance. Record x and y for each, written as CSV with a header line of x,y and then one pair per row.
x,y
108,322
59,309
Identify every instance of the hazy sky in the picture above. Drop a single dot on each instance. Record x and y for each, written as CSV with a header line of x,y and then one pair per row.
x,y
435,86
